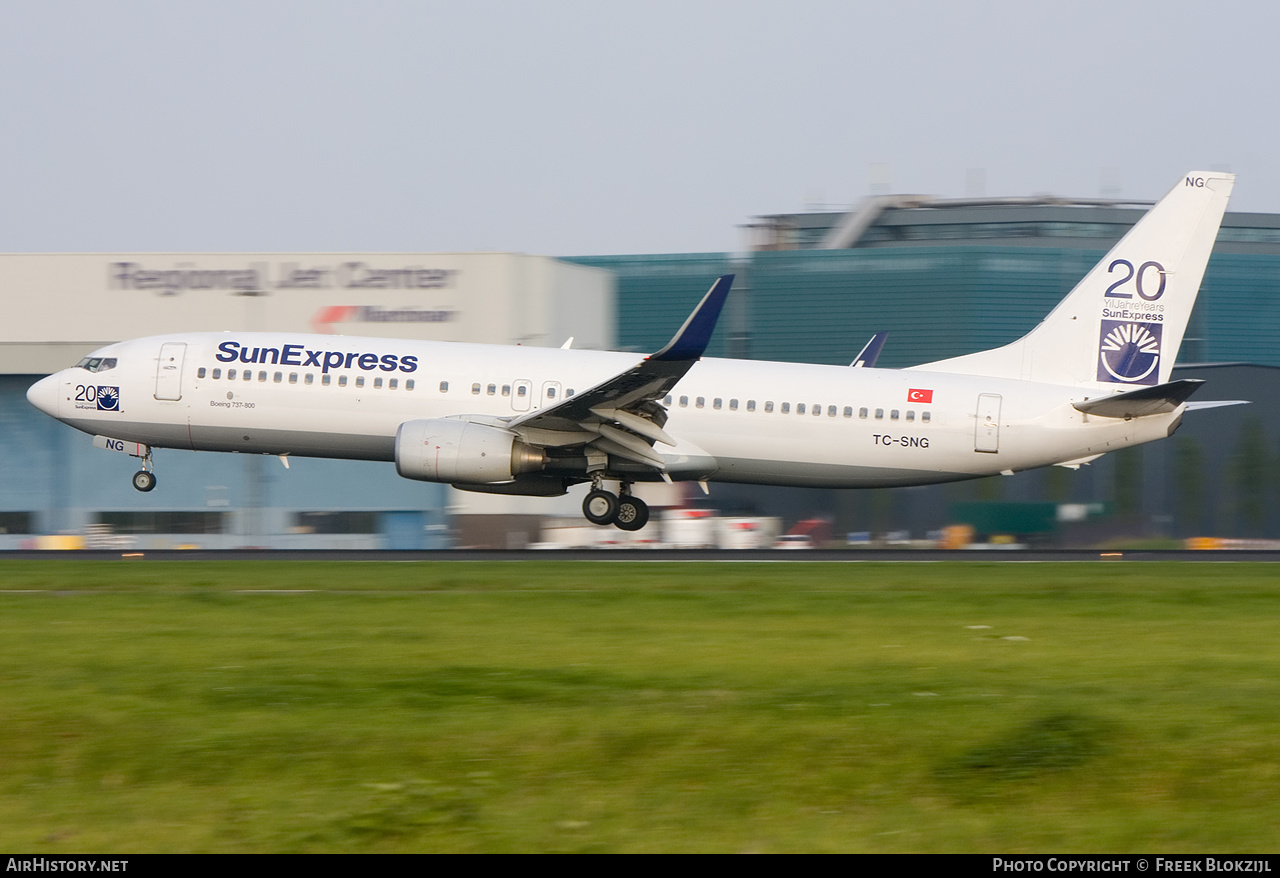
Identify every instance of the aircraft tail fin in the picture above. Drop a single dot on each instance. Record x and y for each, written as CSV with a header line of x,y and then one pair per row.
x,y
1122,325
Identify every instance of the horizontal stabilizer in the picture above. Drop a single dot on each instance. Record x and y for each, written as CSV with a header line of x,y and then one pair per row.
x,y
1214,403
1078,462
870,352
1158,400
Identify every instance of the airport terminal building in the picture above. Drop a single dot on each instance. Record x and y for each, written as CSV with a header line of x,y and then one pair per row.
x,y
948,277
54,483
942,277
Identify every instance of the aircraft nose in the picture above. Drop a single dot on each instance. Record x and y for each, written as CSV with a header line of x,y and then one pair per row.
x,y
45,394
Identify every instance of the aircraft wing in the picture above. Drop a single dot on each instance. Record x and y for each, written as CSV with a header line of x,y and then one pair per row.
x,y
623,415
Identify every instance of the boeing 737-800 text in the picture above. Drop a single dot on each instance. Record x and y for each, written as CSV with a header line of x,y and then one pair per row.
x,y
1093,377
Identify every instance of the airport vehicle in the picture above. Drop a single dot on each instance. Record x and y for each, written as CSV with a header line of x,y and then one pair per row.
x,y
1093,377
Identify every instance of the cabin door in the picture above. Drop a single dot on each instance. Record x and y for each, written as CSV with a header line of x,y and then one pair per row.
x,y
986,435
169,370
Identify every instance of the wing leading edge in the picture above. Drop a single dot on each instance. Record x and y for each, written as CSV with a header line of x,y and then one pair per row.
x,y
623,415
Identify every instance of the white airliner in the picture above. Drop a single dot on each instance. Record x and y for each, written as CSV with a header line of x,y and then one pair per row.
x,y
1093,377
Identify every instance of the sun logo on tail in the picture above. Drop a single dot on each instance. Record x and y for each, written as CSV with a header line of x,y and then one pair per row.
x,y
1129,352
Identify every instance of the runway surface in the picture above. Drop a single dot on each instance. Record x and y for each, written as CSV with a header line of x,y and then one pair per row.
x,y
634,555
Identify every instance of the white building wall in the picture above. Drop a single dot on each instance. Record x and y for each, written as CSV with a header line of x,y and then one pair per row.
x,y
61,305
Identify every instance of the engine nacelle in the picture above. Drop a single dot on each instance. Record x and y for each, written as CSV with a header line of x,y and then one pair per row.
x,y
443,450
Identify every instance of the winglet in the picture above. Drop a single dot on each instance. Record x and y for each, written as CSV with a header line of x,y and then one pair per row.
x,y
871,352
695,335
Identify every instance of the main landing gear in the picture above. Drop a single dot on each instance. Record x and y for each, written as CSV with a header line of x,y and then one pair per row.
x,y
623,512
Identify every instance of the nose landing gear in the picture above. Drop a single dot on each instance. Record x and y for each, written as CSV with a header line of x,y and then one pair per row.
x,y
144,479
624,512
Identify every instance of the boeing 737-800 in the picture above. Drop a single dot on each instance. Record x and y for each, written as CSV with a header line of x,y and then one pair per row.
x,y
1093,377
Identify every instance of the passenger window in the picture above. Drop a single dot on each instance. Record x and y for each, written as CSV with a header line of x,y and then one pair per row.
x,y
248,374
879,414
817,410
522,391
924,416
715,403
733,405
491,390
786,408
848,411
799,408
217,373
293,377
506,389
862,413
444,385
377,382
200,372
342,380
768,406
475,389
700,402
359,381
231,374
310,379
911,415
262,376
751,405
668,399
569,392
279,376
408,384
684,401
831,411
393,383
325,378
893,415
551,393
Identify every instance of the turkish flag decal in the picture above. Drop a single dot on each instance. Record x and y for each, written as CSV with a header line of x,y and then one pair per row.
x,y
915,395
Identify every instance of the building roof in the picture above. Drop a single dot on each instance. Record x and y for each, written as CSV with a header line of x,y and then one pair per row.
x,y
912,220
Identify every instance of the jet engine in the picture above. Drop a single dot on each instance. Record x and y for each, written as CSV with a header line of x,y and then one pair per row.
x,y
444,450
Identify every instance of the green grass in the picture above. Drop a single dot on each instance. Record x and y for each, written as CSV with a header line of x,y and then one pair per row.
x,y
1118,707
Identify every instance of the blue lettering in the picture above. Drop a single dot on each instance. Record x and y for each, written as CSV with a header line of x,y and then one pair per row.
x,y
326,361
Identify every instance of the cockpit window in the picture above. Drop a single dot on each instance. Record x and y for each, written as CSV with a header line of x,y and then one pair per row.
x,y
97,364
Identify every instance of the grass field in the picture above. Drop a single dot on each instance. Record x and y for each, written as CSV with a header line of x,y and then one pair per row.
x,y
1116,707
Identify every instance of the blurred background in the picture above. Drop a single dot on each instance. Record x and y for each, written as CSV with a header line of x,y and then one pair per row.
x,y
510,174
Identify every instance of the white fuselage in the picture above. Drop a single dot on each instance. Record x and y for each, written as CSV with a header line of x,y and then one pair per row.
x,y
734,420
